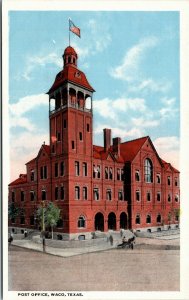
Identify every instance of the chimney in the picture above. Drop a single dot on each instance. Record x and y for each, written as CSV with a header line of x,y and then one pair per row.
x,y
116,145
107,138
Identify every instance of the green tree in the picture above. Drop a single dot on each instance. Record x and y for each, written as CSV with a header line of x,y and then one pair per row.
x,y
49,215
13,211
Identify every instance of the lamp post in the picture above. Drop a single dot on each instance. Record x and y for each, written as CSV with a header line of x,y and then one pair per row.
x,y
43,224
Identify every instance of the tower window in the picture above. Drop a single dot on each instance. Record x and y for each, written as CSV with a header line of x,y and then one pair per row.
x,y
77,192
76,168
137,195
62,193
64,123
58,136
158,196
56,193
32,175
118,174
73,145
56,170
88,127
122,174
69,59
62,168
120,195
53,149
80,136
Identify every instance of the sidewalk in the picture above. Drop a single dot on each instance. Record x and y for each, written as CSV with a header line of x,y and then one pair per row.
x,y
67,252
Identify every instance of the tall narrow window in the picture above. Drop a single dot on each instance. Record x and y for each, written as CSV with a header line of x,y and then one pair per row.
x,y
62,193
62,168
84,169
88,128
94,171
109,194
58,136
169,180
137,195
176,181
148,219
118,174
98,172
158,178
43,195
22,196
77,192
148,171
56,193
120,195
106,173
122,175
56,170
64,124
32,175
158,219
158,196
148,195
45,172
13,197
110,173
177,198
169,198
84,193
137,176
77,168
80,136
73,145
96,194
32,195
137,220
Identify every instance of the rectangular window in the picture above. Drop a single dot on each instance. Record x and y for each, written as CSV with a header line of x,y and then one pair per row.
x,y
137,176
73,145
158,196
13,196
88,128
77,192
106,173
62,193
98,172
41,172
110,174
148,196
169,180
118,174
80,136
56,193
85,193
169,198
56,169
137,195
22,195
94,171
43,195
84,169
109,195
120,195
122,174
58,136
62,168
64,124
32,195
176,181
76,168
32,175
96,194
158,178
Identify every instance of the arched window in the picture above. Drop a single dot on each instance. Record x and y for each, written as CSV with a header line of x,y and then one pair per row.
x,y
81,222
148,170
148,219
158,220
137,221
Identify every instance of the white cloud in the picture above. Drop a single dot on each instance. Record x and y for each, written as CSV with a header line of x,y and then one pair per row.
x,y
168,149
169,110
23,106
129,68
141,122
109,108
150,85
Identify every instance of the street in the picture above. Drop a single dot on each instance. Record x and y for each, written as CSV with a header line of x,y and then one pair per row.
x,y
111,270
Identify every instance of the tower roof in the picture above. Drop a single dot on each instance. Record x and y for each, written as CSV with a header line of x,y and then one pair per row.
x,y
70,50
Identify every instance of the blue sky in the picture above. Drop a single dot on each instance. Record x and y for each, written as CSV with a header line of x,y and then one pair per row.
x,y
130,58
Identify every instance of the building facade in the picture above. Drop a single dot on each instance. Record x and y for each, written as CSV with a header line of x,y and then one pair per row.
x,y
117,185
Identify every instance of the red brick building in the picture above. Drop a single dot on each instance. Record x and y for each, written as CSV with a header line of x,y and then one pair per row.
x,y
119,185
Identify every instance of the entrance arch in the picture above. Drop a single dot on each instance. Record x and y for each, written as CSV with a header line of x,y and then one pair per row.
x,y
123,220
112,221
99,222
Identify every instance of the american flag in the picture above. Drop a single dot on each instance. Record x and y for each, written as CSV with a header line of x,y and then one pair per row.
x,y
74,28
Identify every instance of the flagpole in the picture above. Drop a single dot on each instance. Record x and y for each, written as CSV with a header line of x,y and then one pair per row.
x,y
69,29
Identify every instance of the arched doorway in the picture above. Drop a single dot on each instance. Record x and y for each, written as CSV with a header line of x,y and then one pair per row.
x,y
112,221
123,220
99,222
